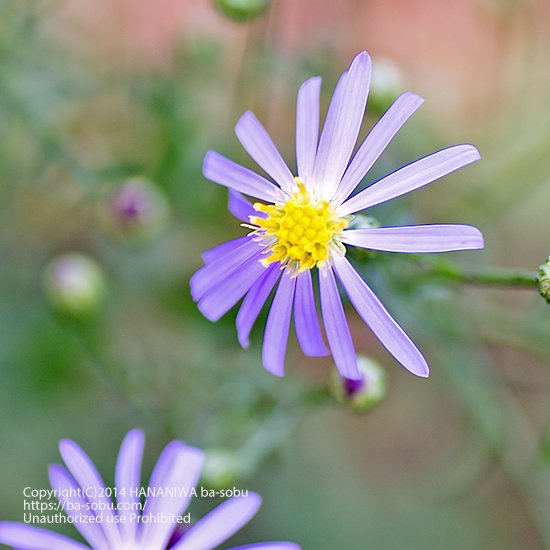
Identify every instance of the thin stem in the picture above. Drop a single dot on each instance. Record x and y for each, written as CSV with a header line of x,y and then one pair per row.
x,y
486,276
476,276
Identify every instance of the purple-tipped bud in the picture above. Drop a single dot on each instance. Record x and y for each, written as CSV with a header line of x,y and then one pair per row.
x,y
360,395
242,10
74,284
135,210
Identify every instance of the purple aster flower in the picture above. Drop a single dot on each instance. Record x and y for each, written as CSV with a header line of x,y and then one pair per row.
x,y
302,226
124,523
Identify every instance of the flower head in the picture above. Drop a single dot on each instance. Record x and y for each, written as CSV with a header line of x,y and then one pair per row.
x,y
302,226
124,522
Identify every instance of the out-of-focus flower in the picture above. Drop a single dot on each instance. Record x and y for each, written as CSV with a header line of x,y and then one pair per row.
x,y
135,210
544,280
74,284
242,10
222,468
360,395
122,522
387,82
303,224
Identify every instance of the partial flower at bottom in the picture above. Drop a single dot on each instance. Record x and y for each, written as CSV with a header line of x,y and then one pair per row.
x,y
302,226
119,524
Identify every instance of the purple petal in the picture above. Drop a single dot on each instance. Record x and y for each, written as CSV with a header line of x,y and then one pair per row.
x,y
221,298
306,321
307,126
254,302
224,250
223,171
75,506
241,208
411,177
379,320
336,327
215,271
341,130
86,475
376,141
178,469
269,546
417,239
26,537
278,323
128,482
220,524
256,141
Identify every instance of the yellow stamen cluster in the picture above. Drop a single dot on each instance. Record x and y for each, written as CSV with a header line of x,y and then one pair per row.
x,y
302,230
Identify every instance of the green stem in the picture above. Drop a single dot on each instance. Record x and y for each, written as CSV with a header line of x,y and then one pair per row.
x,y
488,276
478,276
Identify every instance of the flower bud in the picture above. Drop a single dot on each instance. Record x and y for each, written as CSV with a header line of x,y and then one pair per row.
x,y
544,280
386,85
242,10
136,210
74,284
360,395
362,221
222,468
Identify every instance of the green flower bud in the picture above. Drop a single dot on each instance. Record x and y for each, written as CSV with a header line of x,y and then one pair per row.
x,y
135,211
362,221
74,284
386,84
360,395
544,280
222,468
242,10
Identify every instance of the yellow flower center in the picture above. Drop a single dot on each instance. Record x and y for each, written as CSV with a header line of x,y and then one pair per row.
x,y
302,230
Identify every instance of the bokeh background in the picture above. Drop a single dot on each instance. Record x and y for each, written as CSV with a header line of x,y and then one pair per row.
x,y
94,93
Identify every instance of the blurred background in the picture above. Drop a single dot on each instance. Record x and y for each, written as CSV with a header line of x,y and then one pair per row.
x,y
107,108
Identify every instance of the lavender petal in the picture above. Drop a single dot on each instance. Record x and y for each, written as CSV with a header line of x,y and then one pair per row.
x,y
214,272
223,171
224,250
376,142
86,475
307,127
240,207
220,524
386,329
256,141
341,130
128,481
178,468
278,323
75,506
27,537
306,321
229,290
416,239
254,302
411,177
336,327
